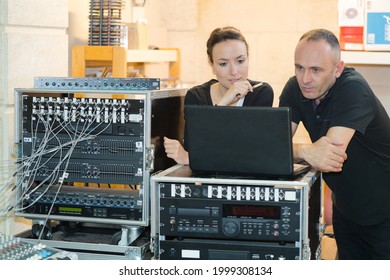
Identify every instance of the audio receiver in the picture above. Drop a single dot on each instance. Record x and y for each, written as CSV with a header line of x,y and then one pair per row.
x,y
240,212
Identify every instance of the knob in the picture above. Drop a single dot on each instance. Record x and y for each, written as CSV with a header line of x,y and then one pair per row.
x,y
230,227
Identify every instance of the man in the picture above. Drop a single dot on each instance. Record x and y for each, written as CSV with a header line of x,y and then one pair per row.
x,y
350,133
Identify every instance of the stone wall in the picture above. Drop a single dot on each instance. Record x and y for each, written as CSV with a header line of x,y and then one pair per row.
x,y
33,42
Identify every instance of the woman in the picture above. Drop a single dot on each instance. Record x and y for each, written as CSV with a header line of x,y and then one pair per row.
x,y
227,52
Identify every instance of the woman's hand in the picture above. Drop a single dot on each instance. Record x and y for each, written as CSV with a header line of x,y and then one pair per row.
x,y
237,91
175,151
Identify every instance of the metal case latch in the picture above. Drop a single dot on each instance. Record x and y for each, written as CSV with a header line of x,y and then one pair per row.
x,y
149,157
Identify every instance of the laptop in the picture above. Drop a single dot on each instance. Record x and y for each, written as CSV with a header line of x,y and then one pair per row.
x,y
245,141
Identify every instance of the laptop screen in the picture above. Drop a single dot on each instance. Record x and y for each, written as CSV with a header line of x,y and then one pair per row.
x,y
239,140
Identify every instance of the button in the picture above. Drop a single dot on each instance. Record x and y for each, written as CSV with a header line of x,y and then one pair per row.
x,y
214,230
215,213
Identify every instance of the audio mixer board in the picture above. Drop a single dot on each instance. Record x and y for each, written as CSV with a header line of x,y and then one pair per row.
x,y
16,248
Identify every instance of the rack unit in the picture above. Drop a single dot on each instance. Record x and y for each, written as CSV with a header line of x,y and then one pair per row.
x,y
85,157
196,216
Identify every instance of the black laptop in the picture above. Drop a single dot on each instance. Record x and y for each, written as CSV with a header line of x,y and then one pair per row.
x,y
246,141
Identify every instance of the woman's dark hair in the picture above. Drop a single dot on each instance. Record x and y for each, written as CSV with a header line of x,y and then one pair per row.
x,y
222,34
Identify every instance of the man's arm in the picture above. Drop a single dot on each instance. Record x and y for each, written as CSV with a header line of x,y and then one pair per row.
x,y
327,154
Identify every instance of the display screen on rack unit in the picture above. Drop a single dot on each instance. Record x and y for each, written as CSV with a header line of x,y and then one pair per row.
x,y
251,211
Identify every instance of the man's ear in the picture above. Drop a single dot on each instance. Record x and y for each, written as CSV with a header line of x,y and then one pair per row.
x,y
339,68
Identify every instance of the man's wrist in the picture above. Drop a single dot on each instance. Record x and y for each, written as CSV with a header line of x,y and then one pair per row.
x,y
299,152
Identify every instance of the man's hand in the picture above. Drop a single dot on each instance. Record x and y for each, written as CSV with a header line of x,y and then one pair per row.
x,y
326,154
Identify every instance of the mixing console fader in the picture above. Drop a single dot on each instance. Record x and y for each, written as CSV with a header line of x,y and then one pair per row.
x,y
14,248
